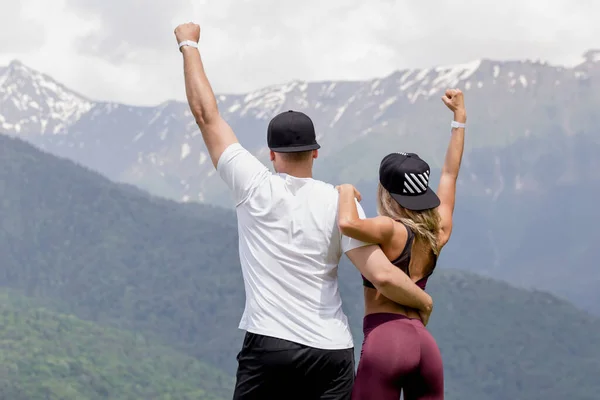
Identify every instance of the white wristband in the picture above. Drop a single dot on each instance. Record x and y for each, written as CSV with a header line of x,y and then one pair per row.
x,y
455,124
190,43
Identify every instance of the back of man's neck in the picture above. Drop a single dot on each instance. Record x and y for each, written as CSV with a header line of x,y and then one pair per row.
x,y
297,173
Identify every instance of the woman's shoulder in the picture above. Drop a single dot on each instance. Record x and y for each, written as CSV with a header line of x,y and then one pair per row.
x,y
397,238
396,230
401,231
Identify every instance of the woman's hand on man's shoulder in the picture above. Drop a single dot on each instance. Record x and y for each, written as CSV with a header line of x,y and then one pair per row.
x,y
347,187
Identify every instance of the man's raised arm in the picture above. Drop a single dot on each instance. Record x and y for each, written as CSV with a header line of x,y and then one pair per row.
x,y
217,134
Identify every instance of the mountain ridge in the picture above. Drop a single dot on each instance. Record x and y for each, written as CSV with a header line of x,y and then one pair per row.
x,y
159,149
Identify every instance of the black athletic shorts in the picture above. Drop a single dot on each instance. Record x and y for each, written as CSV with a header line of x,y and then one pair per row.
x,y
274,369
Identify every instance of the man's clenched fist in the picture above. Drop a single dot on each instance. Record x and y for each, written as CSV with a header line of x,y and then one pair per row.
x,y
454,100
189,31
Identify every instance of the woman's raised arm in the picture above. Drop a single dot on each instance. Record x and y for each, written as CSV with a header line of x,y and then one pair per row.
x,y
454,100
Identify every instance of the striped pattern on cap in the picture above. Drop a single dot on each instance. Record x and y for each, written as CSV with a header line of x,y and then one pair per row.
x,y
416,183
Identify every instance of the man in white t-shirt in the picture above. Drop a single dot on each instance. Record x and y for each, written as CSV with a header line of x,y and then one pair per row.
x,y
298,343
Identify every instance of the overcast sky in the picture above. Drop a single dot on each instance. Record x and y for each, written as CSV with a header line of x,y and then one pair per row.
x,y
126,51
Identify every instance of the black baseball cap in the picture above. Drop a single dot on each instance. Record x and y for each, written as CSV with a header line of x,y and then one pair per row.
x,y
406,177
291,132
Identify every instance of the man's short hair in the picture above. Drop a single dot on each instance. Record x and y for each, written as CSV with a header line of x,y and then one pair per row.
x,y
300,156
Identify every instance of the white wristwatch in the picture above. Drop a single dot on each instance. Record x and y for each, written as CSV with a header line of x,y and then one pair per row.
x,y
455,124
190,43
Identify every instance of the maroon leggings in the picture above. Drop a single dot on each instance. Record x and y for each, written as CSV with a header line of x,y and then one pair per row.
x,y
398,354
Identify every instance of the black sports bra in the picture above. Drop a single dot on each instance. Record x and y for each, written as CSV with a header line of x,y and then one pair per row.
x,y
403,261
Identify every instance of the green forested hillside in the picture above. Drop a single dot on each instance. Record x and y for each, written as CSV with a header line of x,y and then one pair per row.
x,y
45,355
113,255
170,272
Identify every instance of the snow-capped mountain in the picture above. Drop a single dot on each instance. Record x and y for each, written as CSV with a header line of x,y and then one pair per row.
x,y
32,103
160,148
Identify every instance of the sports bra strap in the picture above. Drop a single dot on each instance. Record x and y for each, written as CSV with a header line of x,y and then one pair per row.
x,y
403,260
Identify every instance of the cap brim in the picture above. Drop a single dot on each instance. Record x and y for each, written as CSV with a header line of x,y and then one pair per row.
x,y
296,149
425,201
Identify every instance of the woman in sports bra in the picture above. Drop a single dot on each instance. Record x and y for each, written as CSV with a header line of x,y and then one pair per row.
x,y
398,353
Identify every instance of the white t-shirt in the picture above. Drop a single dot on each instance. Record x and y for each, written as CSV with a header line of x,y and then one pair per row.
x,y
290,246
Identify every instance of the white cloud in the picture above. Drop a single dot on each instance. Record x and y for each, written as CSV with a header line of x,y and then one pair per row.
x,y
129,28
18,30
125,51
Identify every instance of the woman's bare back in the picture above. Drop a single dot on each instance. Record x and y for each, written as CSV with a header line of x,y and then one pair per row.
x,y
421,264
